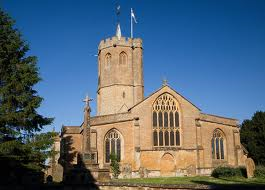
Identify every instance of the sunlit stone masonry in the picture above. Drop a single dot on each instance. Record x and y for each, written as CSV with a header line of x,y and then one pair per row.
x,y
163,134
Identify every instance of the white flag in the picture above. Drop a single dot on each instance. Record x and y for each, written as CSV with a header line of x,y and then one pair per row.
x,y
133,16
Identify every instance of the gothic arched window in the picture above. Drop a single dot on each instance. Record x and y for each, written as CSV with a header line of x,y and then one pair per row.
x,y
112,145
107,60
166,121
218,145
154,119
123,58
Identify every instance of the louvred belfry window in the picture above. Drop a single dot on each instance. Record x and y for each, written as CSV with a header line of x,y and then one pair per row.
x,y
166,121
123,58
107,60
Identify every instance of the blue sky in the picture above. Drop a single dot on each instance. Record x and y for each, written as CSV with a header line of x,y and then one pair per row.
x,y
212,52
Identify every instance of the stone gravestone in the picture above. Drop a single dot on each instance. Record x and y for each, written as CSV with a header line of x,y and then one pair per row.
x,y
191,170
143,172
127,171
250,166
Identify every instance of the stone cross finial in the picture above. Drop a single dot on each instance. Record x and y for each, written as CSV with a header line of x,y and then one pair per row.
x,y
87,100
164,82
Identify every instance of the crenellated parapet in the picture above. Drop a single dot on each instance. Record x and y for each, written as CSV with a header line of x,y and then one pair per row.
x,y
123,41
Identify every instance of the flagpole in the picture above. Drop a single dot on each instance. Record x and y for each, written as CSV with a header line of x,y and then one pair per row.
x,y
131,24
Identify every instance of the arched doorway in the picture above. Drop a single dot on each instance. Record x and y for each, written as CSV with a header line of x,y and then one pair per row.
x,y
167,165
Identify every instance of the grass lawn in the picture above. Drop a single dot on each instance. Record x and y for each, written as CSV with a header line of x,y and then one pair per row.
x,y
196,180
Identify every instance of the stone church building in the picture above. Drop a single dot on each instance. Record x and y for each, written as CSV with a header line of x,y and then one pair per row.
x,y
163,134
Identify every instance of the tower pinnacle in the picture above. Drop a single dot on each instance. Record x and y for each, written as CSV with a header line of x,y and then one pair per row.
x,y
118,31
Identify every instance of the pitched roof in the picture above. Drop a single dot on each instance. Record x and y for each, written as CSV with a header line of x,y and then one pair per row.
x,y
158,91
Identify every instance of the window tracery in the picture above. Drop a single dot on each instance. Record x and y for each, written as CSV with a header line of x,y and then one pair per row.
x,y
112,145
166,121
218,145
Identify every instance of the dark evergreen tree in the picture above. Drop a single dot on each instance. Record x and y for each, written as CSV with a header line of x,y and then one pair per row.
x,y
252,136
20,147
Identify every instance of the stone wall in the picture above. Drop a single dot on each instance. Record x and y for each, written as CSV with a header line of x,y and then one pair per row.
x,y
107,186
139,158
120,85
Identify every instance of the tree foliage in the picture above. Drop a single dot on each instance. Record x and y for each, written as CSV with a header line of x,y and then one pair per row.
x,y
253,136
18,75
21,148
114,165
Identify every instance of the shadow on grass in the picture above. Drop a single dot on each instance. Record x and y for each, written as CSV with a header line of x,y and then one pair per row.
x,y
14,174
232,183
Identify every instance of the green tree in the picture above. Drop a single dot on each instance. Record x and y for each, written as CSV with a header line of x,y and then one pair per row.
x,y
114,165
252,136
19,101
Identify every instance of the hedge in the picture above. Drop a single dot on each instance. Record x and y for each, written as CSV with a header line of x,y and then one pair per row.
x,y
229,172
259,171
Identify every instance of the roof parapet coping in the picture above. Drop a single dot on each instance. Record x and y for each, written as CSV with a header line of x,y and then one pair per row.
x,y
123,41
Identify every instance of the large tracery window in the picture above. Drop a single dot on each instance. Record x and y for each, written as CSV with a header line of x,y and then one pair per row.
x,y
166,121
112,145
123,58
218,145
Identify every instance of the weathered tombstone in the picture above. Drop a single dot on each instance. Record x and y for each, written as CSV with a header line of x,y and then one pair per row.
x,y
191,170
127,171
143,172
250,166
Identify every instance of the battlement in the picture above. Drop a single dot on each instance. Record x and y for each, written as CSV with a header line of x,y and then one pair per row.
x,y
114,41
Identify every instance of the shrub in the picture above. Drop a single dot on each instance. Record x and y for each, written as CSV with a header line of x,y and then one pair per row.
x,y
259,171
229,172
114,165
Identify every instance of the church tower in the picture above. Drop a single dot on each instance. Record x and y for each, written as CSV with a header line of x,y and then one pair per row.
x,y
120,74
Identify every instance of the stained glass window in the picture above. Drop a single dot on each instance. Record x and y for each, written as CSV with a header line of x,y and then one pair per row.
x,y
161,142
177,138
155,138
172,142
107,149
160,119
154,119
218,149
166,117
176,119
166,138
171,118
112,145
